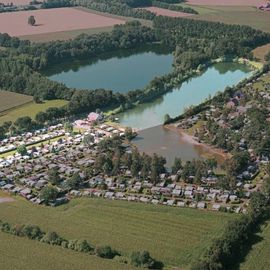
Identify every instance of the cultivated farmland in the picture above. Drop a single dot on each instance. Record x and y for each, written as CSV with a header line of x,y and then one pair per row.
x,y
235,15
11,100
227,2
21,253
179,236
53,20
167,12
29,109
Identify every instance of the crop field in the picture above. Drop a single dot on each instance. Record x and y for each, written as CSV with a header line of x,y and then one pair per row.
x,y
10,100
52,20
29,109
235,15
258,258
174,236
21,253
167,12
227,2
261,52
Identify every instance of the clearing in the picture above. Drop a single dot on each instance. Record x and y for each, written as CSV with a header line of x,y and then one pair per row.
x,y
173,235
258,258
53,20
21,253
11,100
29,109
166,12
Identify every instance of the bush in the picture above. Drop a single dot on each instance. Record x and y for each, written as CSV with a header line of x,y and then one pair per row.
x,y
142,259
52,238
80,245
106,252
32,232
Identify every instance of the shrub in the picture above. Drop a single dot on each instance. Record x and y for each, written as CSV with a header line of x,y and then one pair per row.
x,y
80,245
142,259
52,238
106,252
32,232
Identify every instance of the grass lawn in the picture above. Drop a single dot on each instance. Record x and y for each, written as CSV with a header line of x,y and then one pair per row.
x,y
258,258
30,109
21,254
172,235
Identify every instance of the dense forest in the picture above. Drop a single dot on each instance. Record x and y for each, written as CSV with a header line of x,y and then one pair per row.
x,y
195,44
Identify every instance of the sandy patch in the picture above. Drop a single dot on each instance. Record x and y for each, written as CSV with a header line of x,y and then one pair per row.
x,y
167,12
227,2
52,20
6,200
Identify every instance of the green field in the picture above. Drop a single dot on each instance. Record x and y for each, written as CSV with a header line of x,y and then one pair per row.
x,y
29,109
259,256
10,100
233,15
21,254
172,235
236,15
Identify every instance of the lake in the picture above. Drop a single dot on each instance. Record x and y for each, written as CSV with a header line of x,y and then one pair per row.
x,y
154,138
121,71
192,92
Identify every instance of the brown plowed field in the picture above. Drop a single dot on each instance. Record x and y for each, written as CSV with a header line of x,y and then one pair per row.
x,y
167,12
52,20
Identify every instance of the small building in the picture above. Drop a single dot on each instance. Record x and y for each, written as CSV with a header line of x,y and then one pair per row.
x,y
94,117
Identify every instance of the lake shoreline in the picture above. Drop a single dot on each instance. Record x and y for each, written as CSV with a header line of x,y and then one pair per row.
x,y
194,141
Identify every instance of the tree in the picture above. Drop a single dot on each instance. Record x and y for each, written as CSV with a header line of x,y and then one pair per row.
x,y
22,150
31,20
106,252
142,259
177,165
54,176
74,181
129,133
167,118
41,117
68,127
88,139
48,194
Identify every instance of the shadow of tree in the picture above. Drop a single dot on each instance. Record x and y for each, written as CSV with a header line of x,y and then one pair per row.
x,y
254,239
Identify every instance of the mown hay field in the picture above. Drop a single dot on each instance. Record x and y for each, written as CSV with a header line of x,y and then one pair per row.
x,y
29,109
244,15
21,254
227,2
259,256
172,235
10,100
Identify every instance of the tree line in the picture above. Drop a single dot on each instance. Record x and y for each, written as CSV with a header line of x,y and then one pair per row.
x,y
140,259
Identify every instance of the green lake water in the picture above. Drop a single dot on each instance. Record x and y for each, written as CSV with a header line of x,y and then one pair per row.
x,y
121,71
